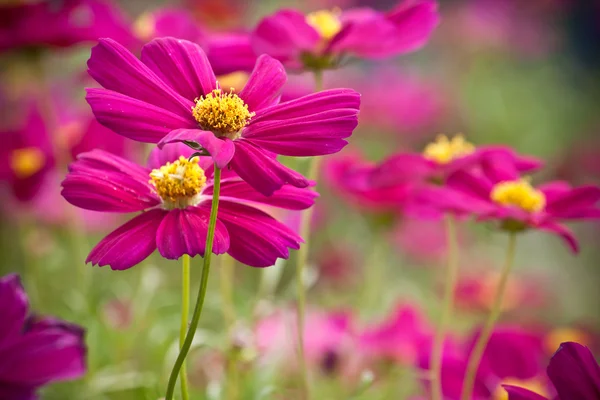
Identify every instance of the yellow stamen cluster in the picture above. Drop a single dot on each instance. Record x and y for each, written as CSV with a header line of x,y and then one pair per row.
x,y
27,161
223,113
326,23
444,150
535,385
518,193
178,183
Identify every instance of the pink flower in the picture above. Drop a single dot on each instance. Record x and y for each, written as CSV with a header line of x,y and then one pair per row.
x,y
320,39
171,95
62,24
175,195
498,193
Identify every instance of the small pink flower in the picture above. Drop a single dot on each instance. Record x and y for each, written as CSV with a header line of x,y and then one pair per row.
x,y
320,39
175,195
172,95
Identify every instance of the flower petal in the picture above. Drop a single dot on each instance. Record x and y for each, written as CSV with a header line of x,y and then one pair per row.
x,y
129,244
14,308
101,181
475,186
311,135
184,232
265,84
519,393
135,119
579,202
288,197
257,239
574,372
181,64
261,170
562,231
231,52
115,68
221,150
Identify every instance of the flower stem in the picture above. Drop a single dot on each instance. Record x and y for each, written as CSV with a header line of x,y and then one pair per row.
x,y
484,336
447,305
185,311
189,337
301,259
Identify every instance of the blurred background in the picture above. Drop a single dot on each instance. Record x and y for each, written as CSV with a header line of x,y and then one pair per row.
x,y
524,74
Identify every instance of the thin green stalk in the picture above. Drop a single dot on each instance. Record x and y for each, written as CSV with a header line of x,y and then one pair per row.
x,y
185,311
447,305
189,337
301,259
484,336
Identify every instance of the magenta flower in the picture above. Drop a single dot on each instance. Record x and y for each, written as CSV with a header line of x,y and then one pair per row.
x,y
574,373
61,24
34,351
320,39
172,95
500,194
175,196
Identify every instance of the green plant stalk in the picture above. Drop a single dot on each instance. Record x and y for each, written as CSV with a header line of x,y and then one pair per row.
x,y
185,311
484,336
187,343
447,306
301,259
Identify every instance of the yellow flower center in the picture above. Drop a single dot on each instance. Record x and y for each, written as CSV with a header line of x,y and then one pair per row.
x,y
535,385
557,336
27,161
145,26
444,150
179,183
223,113
518,193
326,23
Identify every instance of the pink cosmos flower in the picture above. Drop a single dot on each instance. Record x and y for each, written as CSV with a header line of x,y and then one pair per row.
x,y
34,351
320,39
61,24
172,95
175,196
499,194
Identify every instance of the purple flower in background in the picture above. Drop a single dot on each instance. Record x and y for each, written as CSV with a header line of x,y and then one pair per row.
x,y
61,23
572,370
172,95
34,351
318,40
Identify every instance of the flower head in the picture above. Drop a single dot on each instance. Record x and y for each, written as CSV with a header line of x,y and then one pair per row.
x,y
445,150
319,40
35,351
172,95
174,195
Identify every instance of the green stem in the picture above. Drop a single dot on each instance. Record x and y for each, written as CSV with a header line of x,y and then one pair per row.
x,y
301,259
185,311
484,336
187,343
447,305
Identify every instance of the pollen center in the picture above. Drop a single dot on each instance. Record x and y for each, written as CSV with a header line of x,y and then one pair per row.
x,y
326,23
179,183
223,113
27,161
444,150
518,193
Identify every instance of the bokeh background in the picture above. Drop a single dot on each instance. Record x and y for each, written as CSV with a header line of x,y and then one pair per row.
x,y
520,73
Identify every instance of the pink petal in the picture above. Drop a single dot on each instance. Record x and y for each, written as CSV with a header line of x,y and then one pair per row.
x,y
261,170
415,21
14,308
221,150
257,239
129,244
288,197
314,103
265,84
101,181
181,64
184,232
519,393
231,52
579,202
133,118
470,184
115,68
159,157
311,135
285,35
563,232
